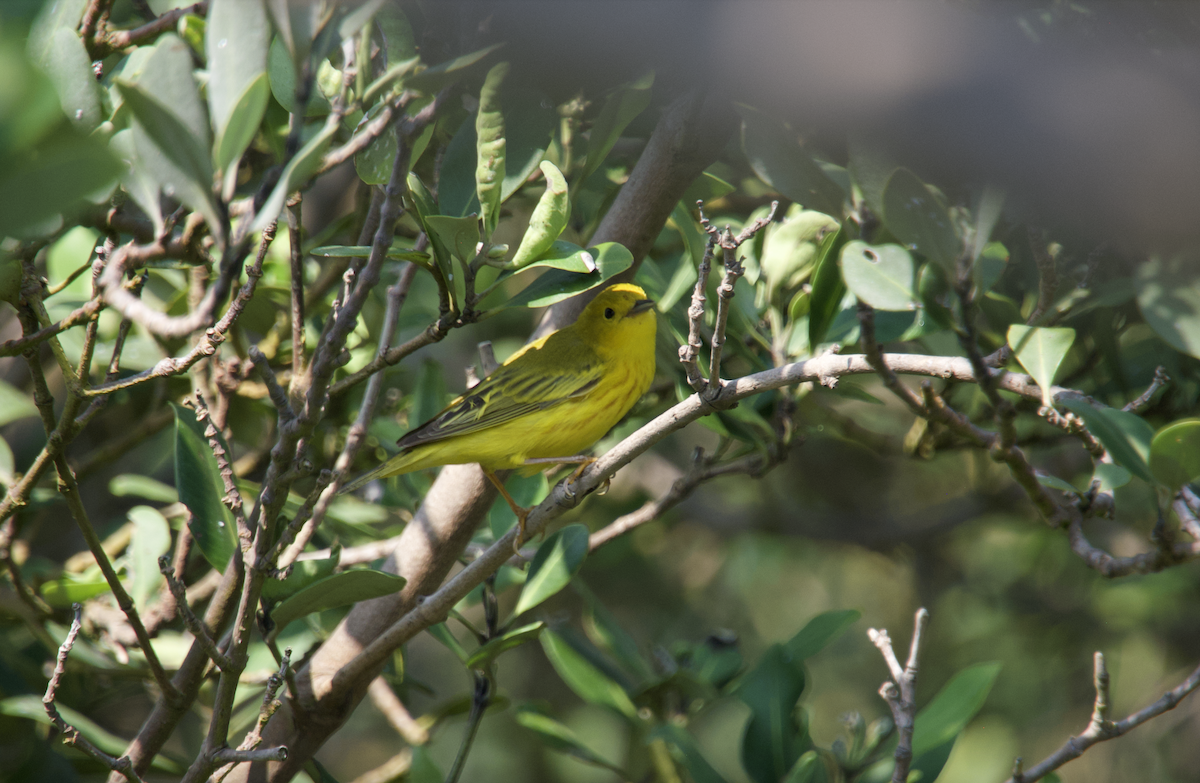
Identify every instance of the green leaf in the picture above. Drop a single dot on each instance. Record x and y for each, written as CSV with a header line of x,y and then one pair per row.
x,y
548,220
1054,482
348,587
151,539
282,74
490,148
791,248
777,157
828,288
131,484
374,162
459,235
14,405
1040,350
1168,294
395,73
447,639
67,590
30,707
423,769
773,740
706,187
1125,435
304,573
239,131
295,174
681,284
198,480
557,560
883,276
557,285
56,177
556,736
604,630
506,641
58,50
619,109
236,43
809,768
433,79
1112,476
171,129
948,713
588,682
1175,454
918,218
561,255
987,214
818,632
684,750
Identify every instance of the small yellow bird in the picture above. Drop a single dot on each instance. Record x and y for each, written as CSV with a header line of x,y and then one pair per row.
x,y
551,400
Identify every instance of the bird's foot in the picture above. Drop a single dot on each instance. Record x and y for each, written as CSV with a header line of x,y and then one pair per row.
x,y
567,488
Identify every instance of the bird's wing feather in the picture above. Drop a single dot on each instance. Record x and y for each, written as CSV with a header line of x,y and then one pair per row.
x,y
512,391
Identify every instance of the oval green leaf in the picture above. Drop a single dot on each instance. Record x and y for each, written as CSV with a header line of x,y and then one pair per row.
x,y
556,736
828,288
557,284
557,560
818,632
777,157
198,481
151,539
236,40
882,276
588,682
348,587
1175,453
919,219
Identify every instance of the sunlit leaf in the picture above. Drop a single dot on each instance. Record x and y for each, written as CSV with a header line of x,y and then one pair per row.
x,y
557,560
882,276
1040,350
295,174
348,587
588,682
548,220
236,42
151,539
557,285
304,573
132,484
828,288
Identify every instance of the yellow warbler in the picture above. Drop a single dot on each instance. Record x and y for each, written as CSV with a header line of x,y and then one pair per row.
x,y
552,399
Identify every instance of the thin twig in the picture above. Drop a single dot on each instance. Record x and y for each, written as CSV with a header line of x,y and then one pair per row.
x,y
900,692
102,45
689,354
387,702
1142,402
194,624
296,260
1100,728
71,735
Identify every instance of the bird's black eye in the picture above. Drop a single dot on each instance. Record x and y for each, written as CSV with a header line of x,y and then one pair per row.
x,y
609,312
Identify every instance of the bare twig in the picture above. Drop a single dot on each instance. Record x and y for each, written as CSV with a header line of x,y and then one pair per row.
x,y
278,396
689,354
296,259
105,43
71,735
1143,400
901,691
194,624
211,339
1101,728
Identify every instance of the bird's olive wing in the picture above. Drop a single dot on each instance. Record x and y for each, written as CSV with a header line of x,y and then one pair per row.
x,y
506,394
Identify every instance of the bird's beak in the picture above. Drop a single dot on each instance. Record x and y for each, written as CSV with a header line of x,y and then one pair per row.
x,y
641,306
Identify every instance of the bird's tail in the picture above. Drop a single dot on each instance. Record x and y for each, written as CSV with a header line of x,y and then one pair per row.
x,y
403,462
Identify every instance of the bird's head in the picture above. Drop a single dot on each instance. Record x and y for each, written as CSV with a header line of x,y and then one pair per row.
x,y
620,315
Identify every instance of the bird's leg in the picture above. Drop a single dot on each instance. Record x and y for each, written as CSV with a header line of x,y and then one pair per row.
x,y
583,460
521,513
